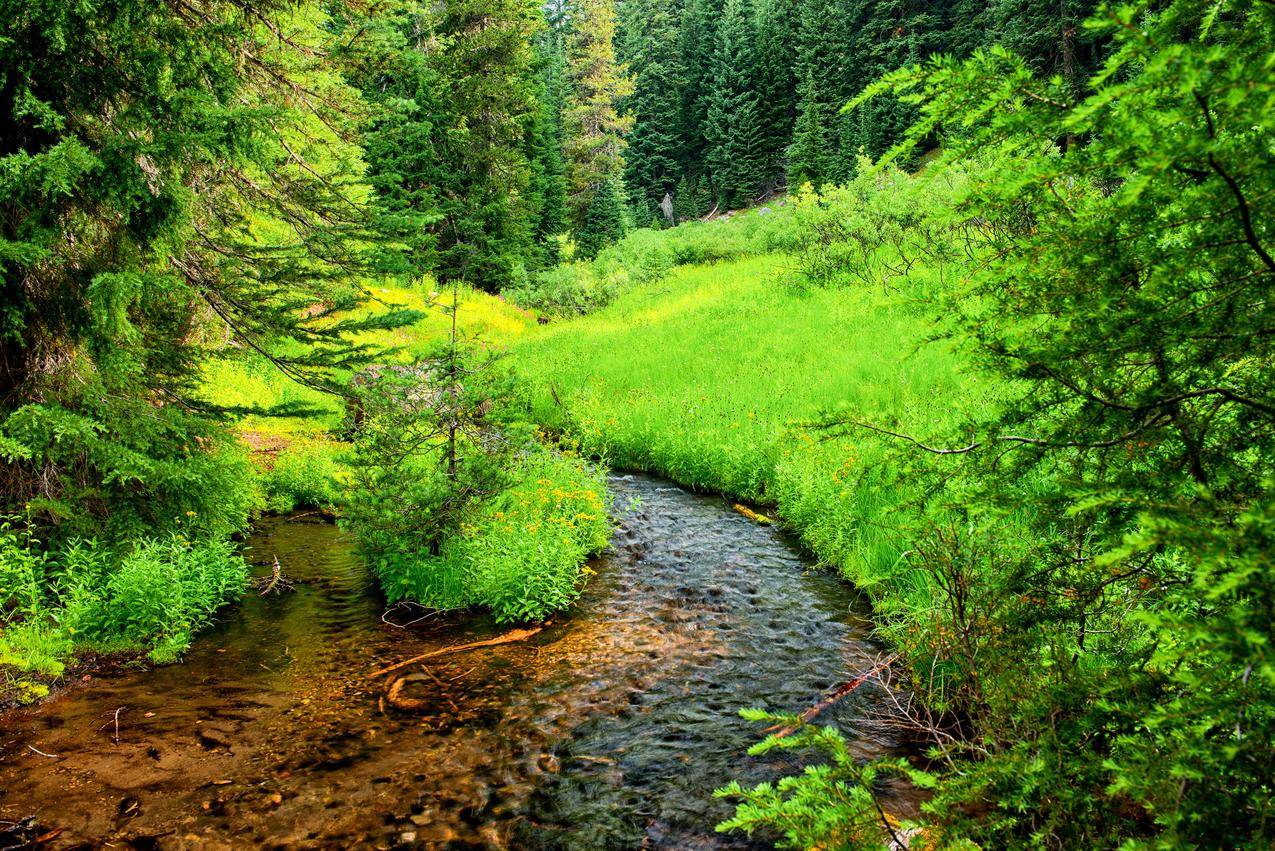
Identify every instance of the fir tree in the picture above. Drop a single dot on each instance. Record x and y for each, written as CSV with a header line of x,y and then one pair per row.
x,y
696,45
480,54
777,81
594,127
735,154
808,155
649,46
163,187
548,187
604,221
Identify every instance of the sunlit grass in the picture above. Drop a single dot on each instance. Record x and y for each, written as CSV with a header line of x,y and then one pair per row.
x,y
711,376
245,380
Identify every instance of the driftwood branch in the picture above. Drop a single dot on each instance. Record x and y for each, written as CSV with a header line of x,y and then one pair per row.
x,y
838,693
275,581
508,638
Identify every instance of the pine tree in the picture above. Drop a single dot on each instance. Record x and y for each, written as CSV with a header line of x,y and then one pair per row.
x,y
548,188
604,222
480,54
685,202
163,187
890,34
777,81
735,153
808,155
648,45
696,46
594,127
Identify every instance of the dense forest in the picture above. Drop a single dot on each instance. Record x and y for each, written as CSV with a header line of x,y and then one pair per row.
x,y
970,297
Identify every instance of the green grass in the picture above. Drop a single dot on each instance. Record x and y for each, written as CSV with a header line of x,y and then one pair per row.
x,y
246,381
709,375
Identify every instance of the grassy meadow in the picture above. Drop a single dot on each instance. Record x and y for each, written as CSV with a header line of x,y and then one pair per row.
x,y
713,375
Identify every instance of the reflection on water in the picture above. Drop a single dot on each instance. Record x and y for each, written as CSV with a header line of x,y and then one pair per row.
x,y
608,729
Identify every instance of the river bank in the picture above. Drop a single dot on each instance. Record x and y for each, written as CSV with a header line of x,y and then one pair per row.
x,y
609,728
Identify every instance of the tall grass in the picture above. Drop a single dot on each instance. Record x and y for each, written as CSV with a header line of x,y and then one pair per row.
x,y
712,375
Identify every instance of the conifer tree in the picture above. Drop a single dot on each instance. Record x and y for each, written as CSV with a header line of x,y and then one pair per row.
x,y
735,153
776,81
548,189
890,34
808,155
604,221
696,46
162,187
480,51
594,128
648,45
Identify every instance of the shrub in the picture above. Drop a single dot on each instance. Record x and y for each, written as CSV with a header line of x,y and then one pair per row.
x,y
158,596
522,553
828,805
566,290
306,474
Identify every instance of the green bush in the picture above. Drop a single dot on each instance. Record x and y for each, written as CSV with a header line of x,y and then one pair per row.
x,y
304,475
521,555
828,805
566,290
152,597
160,594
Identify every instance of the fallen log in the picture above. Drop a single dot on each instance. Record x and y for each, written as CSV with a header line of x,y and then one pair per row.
x,y
508,638
837,694
752,515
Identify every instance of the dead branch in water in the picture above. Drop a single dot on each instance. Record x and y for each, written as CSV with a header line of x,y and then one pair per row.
x,y
837,694
274,582
508,638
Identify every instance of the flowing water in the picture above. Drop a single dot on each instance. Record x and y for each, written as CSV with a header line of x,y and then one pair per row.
x,y
608,729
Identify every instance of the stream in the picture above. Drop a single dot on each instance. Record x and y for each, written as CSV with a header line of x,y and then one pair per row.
x,y
609,729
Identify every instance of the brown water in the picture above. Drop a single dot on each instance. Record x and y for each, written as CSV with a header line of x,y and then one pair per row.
x,y
609,729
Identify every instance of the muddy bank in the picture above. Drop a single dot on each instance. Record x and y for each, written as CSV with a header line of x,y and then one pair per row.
x,y
608,729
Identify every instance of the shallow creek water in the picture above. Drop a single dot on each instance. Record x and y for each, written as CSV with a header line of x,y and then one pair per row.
x,y
609,729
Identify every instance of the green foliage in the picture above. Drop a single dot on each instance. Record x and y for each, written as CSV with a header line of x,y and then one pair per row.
x,y
519,553
873,230
733,129
426,449
164,194
548,187
305,474
648,46
565,290
1119,284
595,128
157,597
457,118
524,555
603,223
646,256
455,503
151,596
830,804
809,157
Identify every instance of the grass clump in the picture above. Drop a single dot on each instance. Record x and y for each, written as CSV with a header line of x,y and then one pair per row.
x,y
303,474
